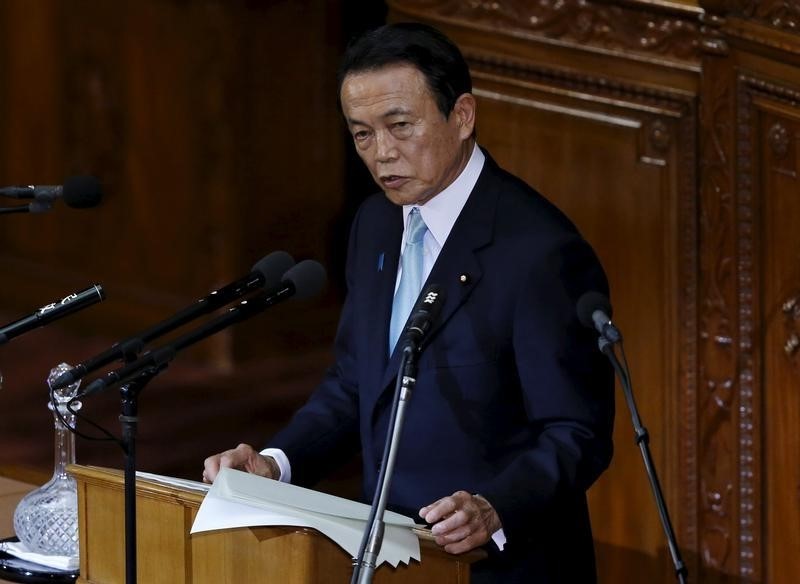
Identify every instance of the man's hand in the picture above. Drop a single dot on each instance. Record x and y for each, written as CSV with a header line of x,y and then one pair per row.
x,y
243,457
461,522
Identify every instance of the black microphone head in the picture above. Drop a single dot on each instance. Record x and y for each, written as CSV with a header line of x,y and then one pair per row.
x,y
423,316
308,278
273,266
82,192
588,304
429,303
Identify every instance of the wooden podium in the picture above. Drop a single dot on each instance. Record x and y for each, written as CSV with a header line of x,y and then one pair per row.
x,y
168,554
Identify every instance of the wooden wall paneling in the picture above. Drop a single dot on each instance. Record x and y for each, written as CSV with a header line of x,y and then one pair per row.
x,y
749,486
130,83
213,127
609,135
776,136
290,162
768,112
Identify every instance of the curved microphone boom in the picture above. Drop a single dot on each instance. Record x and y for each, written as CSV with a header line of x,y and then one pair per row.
x,y
266,273
594,311
53,311
78,192
304,280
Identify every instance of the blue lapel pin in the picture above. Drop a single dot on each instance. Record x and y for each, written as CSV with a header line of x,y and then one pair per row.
x,y
380,261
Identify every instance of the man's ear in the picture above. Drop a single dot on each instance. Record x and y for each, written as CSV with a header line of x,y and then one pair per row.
x,y
464,112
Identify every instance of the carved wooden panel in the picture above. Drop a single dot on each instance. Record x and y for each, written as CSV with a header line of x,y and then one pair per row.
x,y
748,487
781,14
647,29
774,122
718,389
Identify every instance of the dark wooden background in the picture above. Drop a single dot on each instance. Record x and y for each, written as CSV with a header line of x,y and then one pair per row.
x,y
667,129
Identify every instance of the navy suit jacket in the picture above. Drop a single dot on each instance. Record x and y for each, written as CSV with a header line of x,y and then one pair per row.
x,y
513,399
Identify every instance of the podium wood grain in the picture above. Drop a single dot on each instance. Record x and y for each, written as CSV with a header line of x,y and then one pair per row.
x,y
168,554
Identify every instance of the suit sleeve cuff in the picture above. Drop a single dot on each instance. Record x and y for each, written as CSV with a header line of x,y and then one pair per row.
x,y
280,458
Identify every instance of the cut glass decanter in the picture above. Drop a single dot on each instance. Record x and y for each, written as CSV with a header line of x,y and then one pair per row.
x,y
46,520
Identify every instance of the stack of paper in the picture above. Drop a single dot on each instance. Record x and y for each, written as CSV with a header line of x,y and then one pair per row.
x,y
238,499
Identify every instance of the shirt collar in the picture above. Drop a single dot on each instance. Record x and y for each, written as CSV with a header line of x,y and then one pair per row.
x,y
440,212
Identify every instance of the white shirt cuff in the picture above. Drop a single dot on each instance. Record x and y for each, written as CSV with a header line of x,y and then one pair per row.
x,y
279,456
499,538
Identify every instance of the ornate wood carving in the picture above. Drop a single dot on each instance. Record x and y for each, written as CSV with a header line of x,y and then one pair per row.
x,y
791,319
730,409
781,14
584,22
514,70
749,441
779,140
689,285
717,400
713,41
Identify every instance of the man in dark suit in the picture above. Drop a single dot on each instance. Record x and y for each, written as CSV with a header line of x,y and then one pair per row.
x,y
512,413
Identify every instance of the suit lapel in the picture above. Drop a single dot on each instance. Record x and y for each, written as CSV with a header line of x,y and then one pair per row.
x,y
382,261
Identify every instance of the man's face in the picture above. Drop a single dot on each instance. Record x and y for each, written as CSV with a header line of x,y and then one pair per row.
x,y
411,149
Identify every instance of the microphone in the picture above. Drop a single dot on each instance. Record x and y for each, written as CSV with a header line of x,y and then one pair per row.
x,y
594,311
423,315
78,192
304,280
265,273
419,324
53,311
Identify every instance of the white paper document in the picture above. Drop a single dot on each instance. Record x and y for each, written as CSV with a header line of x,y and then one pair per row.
x,y
173,482
239,499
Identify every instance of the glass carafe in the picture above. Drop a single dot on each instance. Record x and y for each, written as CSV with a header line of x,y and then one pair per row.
x,y
46,520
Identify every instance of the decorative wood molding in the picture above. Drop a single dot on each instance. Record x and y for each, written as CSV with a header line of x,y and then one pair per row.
x,y
717,379
749,412
645,98
585,23
730,410
688,284
791,320
780,14
713,41
778,138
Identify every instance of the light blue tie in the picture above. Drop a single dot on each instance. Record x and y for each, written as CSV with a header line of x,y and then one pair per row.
x,y
410,277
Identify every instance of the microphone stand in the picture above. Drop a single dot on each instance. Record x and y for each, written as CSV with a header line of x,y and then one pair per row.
x,y
643,441
135,376
367,559
129,419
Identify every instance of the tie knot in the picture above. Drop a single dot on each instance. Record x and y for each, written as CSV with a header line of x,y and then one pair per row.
x,y
416,227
